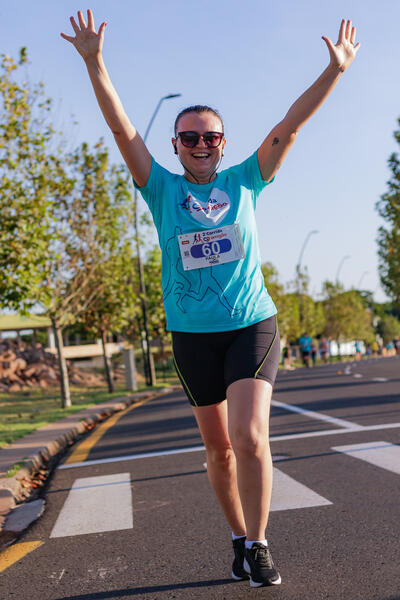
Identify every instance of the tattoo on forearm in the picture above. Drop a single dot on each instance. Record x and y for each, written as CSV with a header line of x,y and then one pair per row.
x,y
275,141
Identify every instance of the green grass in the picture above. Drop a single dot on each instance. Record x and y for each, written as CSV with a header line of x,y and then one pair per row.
x,y
14,469
23,413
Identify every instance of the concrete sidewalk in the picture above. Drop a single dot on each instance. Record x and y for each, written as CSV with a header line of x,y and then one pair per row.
x,y
28,447
34,452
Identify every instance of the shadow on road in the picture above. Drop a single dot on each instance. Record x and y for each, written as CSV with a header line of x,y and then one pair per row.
x,y
341,403
334,385
151,589
158,477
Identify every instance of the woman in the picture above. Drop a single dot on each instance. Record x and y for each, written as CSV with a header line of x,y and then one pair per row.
x,y
324,350
225,338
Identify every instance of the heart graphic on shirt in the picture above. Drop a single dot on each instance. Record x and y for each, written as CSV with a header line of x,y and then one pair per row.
x,y
210,212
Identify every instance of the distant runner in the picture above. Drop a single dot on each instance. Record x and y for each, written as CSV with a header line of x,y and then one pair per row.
x,y
305,342
224,332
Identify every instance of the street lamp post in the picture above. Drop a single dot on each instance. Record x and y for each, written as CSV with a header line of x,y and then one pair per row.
x,y
361,278
298,274
340,266
148,363
310,233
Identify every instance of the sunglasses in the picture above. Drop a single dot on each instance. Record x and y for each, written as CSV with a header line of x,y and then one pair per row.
x,y
190,139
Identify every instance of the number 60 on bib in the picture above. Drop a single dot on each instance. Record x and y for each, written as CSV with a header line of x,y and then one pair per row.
x,y
201,249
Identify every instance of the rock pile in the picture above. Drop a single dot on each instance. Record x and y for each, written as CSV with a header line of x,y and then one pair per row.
x,y
24,367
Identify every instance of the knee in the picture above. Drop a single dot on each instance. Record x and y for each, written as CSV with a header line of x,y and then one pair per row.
x,y
250,441
220,456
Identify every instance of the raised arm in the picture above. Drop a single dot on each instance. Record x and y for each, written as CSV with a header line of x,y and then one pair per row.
x,y
279,141
89,45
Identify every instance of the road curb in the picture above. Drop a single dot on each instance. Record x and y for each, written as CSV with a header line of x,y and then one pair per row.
x,y
25,486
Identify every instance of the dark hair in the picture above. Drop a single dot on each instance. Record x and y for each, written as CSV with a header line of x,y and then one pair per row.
x,y
198,108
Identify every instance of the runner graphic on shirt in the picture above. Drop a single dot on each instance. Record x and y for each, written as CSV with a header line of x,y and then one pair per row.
x,y
181,286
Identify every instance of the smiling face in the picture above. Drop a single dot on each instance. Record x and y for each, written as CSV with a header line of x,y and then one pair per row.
x,y
200,162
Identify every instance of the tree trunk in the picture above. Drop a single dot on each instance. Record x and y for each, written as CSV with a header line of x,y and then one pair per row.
x,y
152,369
64,380
144,354
107,364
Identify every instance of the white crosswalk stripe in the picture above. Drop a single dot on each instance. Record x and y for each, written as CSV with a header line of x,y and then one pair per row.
x,y
380,454
96,504
288,494
104,503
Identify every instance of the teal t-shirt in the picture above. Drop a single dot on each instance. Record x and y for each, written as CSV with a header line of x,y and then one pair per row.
x,y
220,297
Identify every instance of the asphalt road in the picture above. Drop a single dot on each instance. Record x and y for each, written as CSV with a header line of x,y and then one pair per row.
x,y
138,519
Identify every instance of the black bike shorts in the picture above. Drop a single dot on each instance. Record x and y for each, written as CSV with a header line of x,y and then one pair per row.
x,y
207,363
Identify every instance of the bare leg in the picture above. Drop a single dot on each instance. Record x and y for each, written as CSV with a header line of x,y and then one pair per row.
x,y
221,462
248,418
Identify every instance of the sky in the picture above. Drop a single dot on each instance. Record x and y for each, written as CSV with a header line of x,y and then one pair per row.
x,y
250,60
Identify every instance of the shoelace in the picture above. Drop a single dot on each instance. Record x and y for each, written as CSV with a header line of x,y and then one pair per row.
x,y
265,556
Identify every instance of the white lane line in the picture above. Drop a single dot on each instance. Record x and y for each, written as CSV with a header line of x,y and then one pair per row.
x,y
380,379
96,504
287,494
381,426
357,375
309,434
273,438
315,415
380,454
357,428
103,461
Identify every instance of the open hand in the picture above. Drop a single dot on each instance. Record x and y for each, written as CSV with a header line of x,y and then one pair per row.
x,y
343,53
86,41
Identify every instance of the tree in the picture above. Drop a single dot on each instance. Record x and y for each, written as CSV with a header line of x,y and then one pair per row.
x,y
289,316
313,321
297,311
311,316
388,239
347,317
287,304
111,310
79,263
154,297
271,280
32,181
388,328
60,214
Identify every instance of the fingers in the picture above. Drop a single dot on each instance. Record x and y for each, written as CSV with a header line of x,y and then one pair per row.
x,y
101,29
90,20
348,29
347,33
81,20
67,37
328,42
342,30
82,24
74,25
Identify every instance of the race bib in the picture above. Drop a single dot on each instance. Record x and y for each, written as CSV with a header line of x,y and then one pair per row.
x,y
201,249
